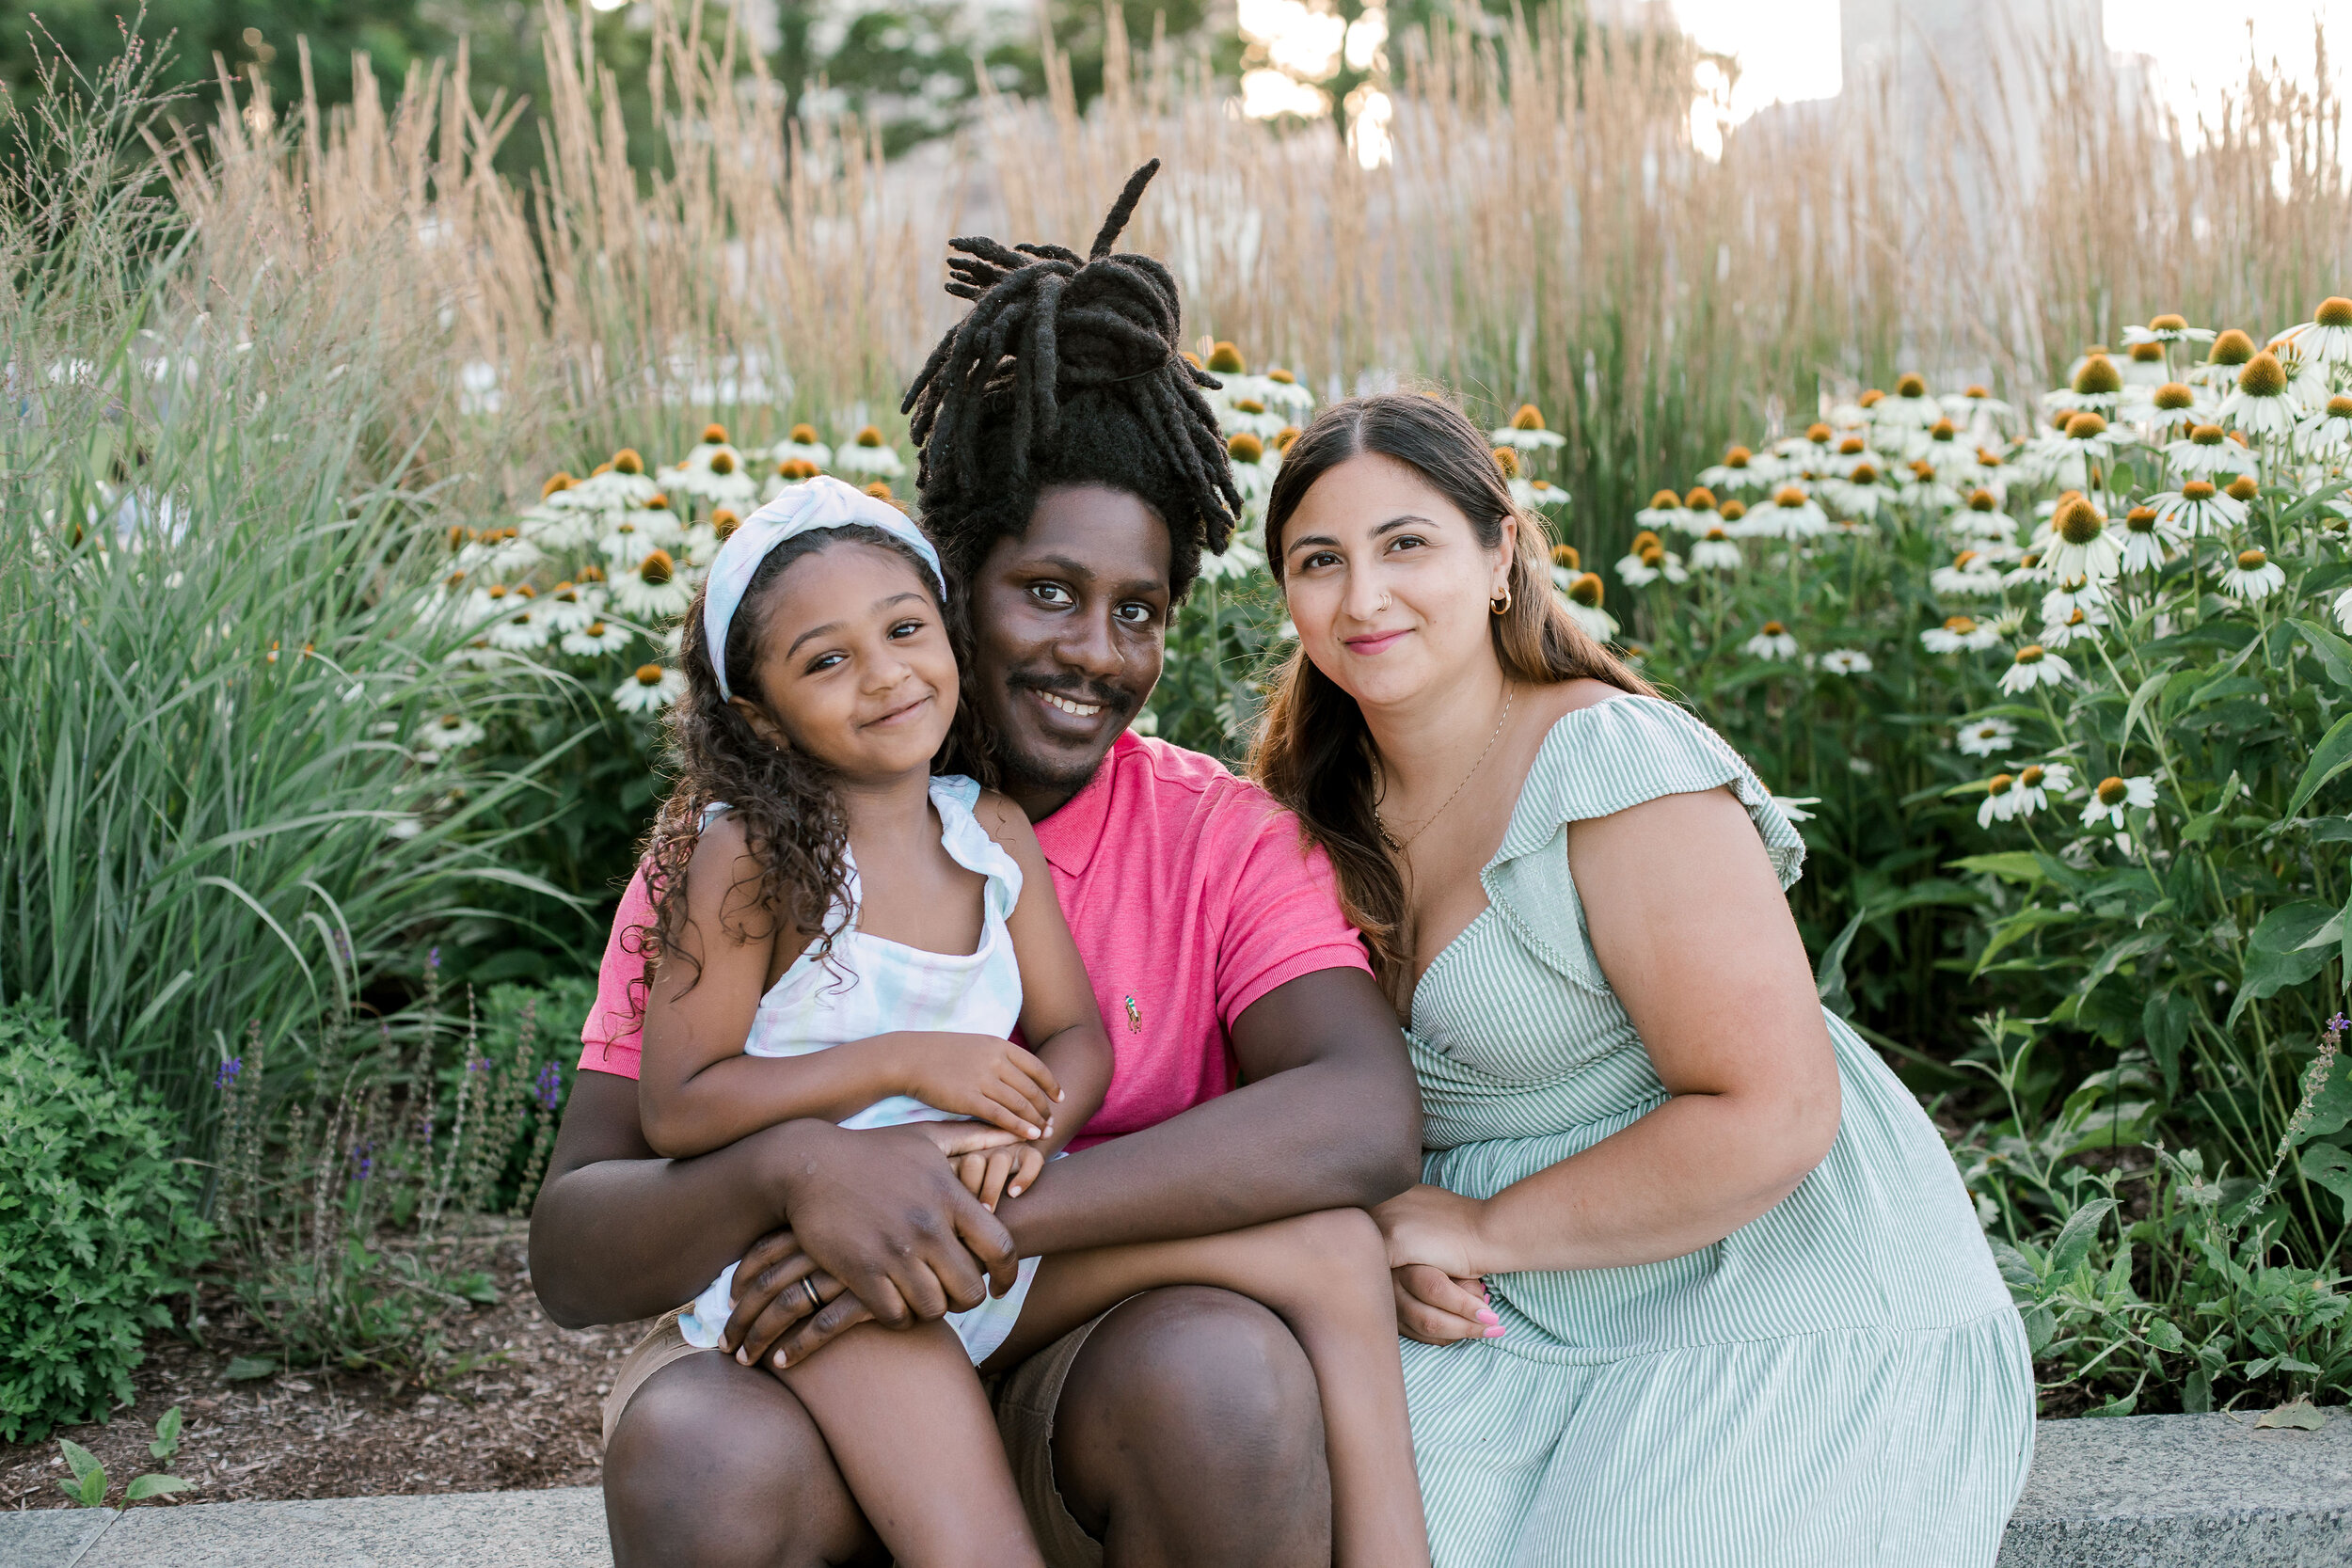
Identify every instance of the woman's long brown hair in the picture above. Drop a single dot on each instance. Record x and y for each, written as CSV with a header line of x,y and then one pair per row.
x,y
1314,752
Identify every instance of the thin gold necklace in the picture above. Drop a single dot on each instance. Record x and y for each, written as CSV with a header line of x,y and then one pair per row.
x,y
1398,846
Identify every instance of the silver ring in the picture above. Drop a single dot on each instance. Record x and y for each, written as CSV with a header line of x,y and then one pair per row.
x,y
809,1283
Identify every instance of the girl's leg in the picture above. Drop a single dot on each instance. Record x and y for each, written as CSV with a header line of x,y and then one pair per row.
x,y
907,1423
1325,1275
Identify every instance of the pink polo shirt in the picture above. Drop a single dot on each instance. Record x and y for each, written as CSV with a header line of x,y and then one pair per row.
x,y
1190,896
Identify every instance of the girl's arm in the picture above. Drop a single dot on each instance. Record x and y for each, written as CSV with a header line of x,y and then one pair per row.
x,y
1059,1014
1696,940
697,1091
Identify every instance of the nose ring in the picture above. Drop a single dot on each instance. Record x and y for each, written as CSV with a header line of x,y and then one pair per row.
x,y
1384,601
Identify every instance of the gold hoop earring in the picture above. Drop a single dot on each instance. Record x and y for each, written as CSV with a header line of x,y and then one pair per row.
x,y
1501,605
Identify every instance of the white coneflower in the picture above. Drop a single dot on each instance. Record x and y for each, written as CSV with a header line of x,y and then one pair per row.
x,y
866,452
1636,568
1928,488
650,689
2330,430
570,606
502,552
652,526
2000,799
2143,367
1845,661
2231,352
2037,783
1546,495
2030,569
800,446
1971,574
2081,544
2035,666
1255,465
2259,407
1737,472
2072,627
2253,576
1792,806
1959,634
2327,337
1582,598
716,475
1984,737
1665,510
1242,558
1911,405
654,589
2115,796
2073,594
2167,405
2208,452
523,632
1236,415
1772,642
1983,518
2167,329
1715,552
596,638
1858,491
1789,515
2199,508
450,732
1526,432
2343,610
2150,538
2093,387
1979,412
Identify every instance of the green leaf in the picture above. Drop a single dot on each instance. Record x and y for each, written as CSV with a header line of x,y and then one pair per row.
x,y
478,1287
2300,1415
167,1436
2331,1108
2196,1394
79,1460
2326,1167
89,1492
1829,975
2165,1023
245,1369
2334,650
2148,689
2166,1335
144,1487
2122,1406
2073,1241
2331,756
2041,1328
2013,865
2276,953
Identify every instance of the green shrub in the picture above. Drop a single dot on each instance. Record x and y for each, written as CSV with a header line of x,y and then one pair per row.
x,y
98,1224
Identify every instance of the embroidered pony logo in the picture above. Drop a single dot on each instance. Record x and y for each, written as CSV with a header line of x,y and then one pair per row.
x,y
1134,1017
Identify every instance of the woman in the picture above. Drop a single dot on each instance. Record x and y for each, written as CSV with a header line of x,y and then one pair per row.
x,y
1690,1280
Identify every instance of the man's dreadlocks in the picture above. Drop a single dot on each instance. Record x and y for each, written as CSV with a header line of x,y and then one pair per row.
x,y
1067,371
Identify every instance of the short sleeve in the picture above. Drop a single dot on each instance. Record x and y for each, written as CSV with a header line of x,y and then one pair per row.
x,y
612,1038
1599,761
1284,918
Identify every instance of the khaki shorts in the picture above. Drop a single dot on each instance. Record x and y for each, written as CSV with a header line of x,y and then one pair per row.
x,y
1026,1399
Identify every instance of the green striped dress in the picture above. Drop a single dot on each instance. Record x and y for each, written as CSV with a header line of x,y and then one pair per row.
x,y
1841,1381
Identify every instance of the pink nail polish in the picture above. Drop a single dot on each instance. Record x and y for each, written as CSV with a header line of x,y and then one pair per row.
x,y
1487,1317
1495,1333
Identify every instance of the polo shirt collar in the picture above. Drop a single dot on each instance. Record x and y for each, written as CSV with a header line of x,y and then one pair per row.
x,y
1071,835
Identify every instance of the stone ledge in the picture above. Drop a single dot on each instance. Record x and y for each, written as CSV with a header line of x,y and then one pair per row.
x,y
2184,1492
2142,1492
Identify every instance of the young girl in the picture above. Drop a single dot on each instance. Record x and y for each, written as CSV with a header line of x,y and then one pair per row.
x,y
844,935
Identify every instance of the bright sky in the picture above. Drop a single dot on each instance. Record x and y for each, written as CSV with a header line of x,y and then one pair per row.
x,y
1787,50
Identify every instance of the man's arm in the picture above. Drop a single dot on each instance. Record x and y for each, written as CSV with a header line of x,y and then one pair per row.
x,y
1327,1117
619,1234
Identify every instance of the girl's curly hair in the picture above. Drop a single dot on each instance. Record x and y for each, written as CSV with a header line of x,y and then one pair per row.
x,y
793,824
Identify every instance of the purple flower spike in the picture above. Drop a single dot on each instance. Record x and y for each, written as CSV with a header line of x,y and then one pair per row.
x,y
550,1084
226,1074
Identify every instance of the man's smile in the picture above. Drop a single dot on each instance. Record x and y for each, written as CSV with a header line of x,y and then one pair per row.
x,y
1082,710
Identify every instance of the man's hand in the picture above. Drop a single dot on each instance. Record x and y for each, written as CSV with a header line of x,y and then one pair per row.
x,y
885,1215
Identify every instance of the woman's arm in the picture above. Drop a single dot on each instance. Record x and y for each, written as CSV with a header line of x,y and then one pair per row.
x,y
1695,938
1059,1014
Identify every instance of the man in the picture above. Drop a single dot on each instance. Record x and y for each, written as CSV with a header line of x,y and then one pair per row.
x,y
1071,476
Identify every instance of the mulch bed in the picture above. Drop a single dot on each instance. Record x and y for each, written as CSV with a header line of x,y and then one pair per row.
x,y
525,1415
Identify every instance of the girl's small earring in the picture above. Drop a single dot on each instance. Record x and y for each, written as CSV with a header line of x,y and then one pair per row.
x,y
1501,605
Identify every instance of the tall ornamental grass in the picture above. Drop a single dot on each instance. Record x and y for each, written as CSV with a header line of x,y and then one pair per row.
x,y
222,800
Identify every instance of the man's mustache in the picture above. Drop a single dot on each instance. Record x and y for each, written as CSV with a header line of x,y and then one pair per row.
x,y
1107,697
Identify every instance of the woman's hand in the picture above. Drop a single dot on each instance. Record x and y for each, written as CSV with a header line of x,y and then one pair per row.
x,y
1436,1309
1439,1295
1429,1225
